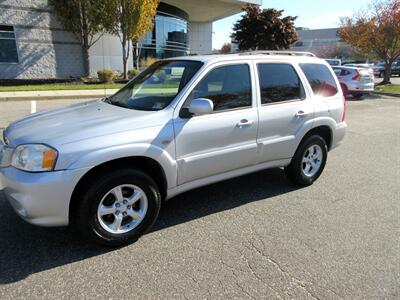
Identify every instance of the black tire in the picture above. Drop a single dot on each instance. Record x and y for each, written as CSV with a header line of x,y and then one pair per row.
x,y
87,221
382,74
294,171
357,96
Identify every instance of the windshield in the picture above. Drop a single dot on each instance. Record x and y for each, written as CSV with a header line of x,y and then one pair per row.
x,y
157,86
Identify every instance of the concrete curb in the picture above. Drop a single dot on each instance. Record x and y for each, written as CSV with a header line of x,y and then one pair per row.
x,y
55,95
386,94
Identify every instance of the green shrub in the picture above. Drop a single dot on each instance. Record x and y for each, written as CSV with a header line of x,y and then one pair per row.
x,y
133,73
105,75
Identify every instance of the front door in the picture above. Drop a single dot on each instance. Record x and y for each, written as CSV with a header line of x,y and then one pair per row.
x,y
224,140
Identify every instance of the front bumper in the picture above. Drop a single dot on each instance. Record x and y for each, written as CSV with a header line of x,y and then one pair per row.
x,y
40,198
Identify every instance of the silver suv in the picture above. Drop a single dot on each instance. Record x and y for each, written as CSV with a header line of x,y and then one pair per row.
x,y
106,166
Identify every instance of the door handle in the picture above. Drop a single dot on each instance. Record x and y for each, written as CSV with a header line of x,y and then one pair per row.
x,y
300,114
244,123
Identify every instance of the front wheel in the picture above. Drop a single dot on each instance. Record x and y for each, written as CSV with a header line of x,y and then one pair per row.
x,y
308,162
118,207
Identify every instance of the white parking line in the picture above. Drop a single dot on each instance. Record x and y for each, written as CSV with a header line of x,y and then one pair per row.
x,y
33,107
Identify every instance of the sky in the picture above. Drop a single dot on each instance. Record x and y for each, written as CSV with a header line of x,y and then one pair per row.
x,y
311,13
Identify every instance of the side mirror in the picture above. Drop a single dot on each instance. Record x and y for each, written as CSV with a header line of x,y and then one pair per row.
x,y
201,106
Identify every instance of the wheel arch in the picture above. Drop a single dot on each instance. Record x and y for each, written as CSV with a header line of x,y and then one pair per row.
x,y
324,131
143,163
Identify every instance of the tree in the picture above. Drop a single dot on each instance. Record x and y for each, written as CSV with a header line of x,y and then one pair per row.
x,y
335,51
145,14
264,29
375,33
132,20
87,19
226,48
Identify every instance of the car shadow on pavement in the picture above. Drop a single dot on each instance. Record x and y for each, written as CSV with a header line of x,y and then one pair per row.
x,y
26,249
223,196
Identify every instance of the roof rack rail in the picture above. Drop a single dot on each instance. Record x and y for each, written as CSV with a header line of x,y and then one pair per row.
x,y
273,52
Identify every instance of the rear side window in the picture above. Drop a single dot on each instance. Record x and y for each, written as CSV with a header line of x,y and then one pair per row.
x,y
341,72
320,79
228,87
279,82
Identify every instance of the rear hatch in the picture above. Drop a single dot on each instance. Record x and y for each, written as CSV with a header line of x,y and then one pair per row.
x,y
365,76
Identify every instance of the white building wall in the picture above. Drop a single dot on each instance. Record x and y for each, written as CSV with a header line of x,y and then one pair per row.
x,y
107,54
45,49
200,37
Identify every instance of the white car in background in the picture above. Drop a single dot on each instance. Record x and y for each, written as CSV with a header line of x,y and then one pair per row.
x,y
354,81
368,67
334,61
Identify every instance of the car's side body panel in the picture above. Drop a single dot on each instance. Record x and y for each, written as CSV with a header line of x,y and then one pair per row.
x,y
191,151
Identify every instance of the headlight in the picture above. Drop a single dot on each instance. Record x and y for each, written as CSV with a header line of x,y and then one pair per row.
x,y
34,158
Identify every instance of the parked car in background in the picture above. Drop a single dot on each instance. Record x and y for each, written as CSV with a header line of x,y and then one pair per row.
x,y
362,66
379,69
354,81
334,61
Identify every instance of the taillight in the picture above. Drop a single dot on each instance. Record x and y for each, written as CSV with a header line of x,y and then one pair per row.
x,y
357,77
344,109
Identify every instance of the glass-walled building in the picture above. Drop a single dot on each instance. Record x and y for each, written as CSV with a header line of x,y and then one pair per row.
x,y
170,35
35,45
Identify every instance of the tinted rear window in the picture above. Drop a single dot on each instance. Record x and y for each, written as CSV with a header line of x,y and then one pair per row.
x,y
320,79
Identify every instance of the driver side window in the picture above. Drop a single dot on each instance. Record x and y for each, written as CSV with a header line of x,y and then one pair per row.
x,y
228,87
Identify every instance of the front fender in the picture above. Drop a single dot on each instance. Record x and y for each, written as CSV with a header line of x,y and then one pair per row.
x,y
100,156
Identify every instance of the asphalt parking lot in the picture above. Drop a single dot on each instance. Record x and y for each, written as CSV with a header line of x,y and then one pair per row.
x,y
256,236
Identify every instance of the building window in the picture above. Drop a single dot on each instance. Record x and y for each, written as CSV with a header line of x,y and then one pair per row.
x,y
169,37
8,45
299,44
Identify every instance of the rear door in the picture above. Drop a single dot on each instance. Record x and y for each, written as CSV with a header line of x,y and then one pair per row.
x,y
284,111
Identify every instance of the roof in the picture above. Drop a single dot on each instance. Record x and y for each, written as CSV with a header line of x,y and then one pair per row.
x,y
251,56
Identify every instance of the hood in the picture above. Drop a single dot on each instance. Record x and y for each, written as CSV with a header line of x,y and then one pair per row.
x,y
78,122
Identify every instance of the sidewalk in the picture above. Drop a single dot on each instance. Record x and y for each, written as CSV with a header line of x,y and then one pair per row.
x,y
53,95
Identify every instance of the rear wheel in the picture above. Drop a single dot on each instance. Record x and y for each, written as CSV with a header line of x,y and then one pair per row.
x,y
357,96
118,207
308,162
382,74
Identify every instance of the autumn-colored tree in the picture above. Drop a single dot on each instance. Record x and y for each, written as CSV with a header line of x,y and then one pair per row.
x,y
132,20
264,29
375,33
226,48
87,19
145,14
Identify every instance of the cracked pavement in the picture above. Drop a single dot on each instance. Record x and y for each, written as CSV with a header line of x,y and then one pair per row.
x,y
255,236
